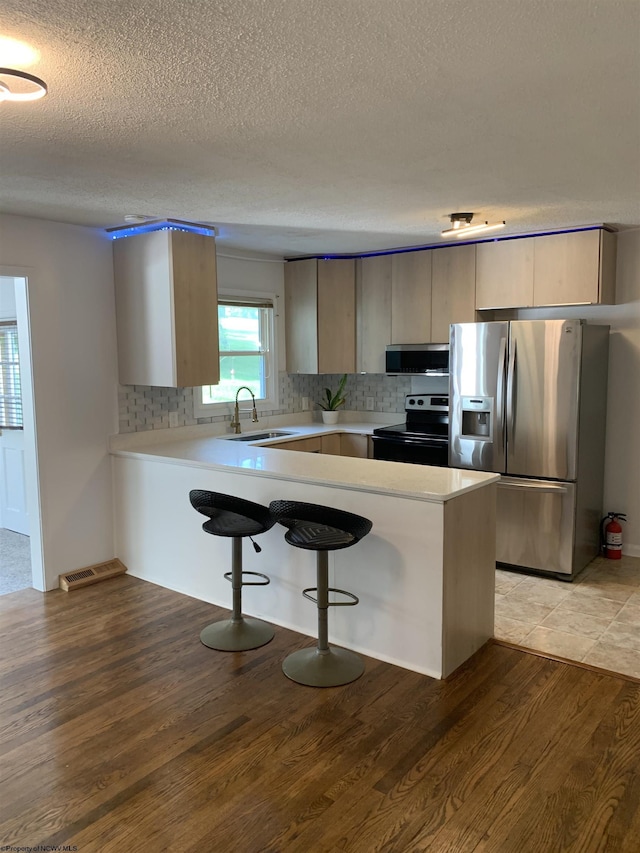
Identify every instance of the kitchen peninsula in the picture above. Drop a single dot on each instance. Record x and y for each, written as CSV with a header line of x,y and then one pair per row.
x,y
424,575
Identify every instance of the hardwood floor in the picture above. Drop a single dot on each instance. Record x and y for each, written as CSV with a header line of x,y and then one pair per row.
x,y
119,731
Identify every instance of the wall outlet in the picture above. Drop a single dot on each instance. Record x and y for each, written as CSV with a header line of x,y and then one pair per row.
x,y
305,404
173,419
369,404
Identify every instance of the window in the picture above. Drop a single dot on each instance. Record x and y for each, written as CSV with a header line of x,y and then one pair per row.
x,y
10,392
246,332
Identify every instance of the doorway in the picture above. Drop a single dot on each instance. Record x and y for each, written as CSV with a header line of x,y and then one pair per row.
x,y
21,564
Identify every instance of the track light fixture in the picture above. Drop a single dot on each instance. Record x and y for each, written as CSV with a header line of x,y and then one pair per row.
x,y
461,225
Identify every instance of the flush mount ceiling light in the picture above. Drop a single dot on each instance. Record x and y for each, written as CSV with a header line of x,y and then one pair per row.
x,y
136,218
461,225
20,86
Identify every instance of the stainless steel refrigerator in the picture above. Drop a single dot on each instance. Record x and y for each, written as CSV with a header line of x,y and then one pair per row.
x,y
528,400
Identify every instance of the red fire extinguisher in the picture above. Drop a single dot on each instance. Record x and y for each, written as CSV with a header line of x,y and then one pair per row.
x,y
611,535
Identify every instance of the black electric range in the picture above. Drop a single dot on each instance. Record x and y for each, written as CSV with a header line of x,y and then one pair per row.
x,y
424,437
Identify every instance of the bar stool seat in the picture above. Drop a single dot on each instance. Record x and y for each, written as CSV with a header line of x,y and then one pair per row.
x,y
235,518
314,527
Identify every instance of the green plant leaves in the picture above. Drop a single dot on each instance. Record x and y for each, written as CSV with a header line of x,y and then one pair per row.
x,y
333,401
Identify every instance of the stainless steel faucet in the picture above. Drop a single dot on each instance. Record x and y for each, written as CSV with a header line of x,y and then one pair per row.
x,y
235,423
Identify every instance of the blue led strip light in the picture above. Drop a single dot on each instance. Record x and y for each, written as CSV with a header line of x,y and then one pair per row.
x,y
160,225
447,245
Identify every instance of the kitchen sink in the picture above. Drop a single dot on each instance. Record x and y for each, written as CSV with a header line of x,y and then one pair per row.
x,y
259,436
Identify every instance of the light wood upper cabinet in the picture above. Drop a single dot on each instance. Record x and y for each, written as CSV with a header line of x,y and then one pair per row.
x,y
411,297
553,269
504,274
166,309
574,268
453,289
337,316
301,315
320,324
373,300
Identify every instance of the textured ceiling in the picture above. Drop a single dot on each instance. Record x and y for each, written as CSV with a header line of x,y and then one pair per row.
x,y
310,126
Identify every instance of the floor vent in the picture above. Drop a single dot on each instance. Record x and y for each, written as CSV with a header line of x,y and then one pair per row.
x,y
92,574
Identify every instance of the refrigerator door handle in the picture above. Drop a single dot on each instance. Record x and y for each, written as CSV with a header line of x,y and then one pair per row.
x,y
539,487
502,357
511,390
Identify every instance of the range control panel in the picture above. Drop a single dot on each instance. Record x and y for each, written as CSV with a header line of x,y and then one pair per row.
x,y
426,402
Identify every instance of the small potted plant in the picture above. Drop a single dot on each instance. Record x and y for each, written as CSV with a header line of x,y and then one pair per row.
x,y
332,402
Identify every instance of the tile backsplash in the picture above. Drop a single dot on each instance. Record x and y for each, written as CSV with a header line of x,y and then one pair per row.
x,y
145,408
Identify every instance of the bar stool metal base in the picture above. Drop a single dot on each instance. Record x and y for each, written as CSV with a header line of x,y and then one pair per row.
x,y
330,668
237,635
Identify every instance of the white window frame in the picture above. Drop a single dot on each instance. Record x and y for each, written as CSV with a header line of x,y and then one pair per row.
x,y
263,404
10,383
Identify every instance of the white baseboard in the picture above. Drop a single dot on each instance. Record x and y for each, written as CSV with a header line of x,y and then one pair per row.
x,y
631,550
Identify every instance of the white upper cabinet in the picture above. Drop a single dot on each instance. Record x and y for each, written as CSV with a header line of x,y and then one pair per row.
x,y
166,309
320,322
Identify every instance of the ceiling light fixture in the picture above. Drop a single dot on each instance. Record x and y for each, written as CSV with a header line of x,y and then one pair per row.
x,y
18,53
36,88
461,225
136,218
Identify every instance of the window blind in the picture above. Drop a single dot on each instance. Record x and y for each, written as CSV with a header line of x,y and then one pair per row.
x,y
10,388
245,302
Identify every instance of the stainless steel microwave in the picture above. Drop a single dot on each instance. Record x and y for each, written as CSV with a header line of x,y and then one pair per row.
x,y
424,359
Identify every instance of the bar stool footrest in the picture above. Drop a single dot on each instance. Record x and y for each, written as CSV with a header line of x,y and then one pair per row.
x,y
355,600
267,580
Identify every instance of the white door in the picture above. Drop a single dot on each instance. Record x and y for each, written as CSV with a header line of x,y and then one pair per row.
x,y
13,493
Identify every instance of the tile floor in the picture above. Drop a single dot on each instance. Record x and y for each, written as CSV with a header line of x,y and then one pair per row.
x,y
595,619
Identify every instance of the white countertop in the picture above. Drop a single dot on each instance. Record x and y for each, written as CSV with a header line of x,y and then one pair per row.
x,y
200,449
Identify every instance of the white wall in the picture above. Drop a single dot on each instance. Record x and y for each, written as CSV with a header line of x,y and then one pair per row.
x,y
72,318
622,457
7,298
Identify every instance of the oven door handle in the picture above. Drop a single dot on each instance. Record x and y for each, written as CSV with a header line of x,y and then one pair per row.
x,y
413,442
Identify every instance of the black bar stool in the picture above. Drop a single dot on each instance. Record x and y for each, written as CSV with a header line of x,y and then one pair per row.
x,y
236,518
322,529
